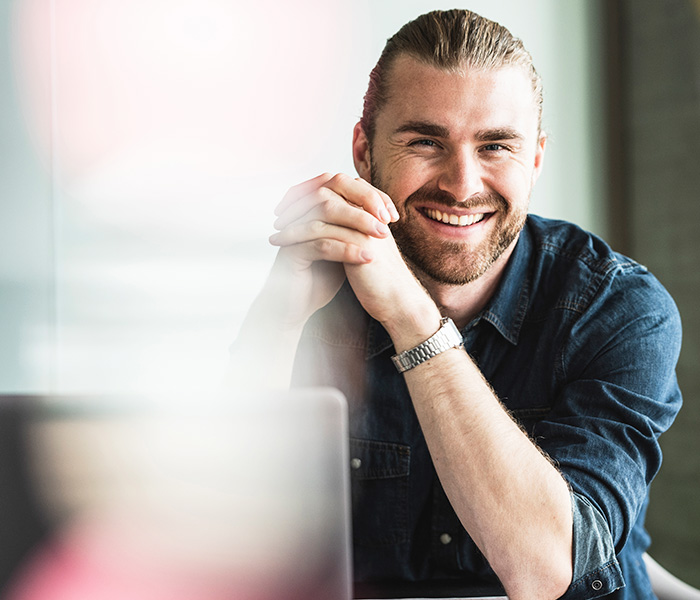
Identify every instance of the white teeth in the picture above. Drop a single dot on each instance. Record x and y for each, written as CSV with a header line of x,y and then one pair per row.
x,y
452,219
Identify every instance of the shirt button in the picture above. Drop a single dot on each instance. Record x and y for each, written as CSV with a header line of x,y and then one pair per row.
x,y
355,463
597,585
445,538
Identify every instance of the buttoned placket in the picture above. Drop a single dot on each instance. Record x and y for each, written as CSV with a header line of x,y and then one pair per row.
x,y
445,530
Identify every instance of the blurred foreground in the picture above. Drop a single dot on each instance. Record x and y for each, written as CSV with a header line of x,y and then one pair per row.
x,y
197,498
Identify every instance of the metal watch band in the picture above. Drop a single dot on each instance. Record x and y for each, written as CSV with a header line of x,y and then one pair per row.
x,y
448,336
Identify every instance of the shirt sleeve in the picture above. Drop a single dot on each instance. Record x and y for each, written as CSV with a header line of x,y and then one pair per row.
x,y
618,394
596,569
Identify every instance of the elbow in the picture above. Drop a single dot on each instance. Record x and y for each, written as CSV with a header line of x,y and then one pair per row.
x,y
548,582
560,581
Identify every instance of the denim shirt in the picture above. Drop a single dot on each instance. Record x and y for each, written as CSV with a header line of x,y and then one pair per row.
x,y
580,344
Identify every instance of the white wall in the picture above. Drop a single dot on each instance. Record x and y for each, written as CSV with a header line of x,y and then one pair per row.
x,y
155,138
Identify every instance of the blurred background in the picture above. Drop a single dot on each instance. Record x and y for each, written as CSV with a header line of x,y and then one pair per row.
x,y
145,143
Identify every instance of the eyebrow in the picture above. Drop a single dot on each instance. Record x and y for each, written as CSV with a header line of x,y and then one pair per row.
x,y
435,130
499,133
423,128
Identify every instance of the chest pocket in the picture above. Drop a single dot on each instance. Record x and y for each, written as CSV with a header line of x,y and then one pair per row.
x,y
528,418
379,478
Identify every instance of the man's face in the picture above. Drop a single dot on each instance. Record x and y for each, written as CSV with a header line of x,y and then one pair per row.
x,y
458,153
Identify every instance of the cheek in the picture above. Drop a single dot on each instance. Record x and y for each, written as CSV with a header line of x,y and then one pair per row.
x,y
400,183
512,181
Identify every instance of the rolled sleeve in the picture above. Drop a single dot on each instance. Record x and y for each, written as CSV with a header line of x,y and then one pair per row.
x,y
596,569
620,394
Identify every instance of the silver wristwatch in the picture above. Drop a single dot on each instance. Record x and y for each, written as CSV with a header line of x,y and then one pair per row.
x,y
448,336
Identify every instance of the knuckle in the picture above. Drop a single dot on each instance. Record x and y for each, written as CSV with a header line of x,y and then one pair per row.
x,y
323,247
325,198
376,197
370,200
325,205
341,179
368,193
317,228
331,208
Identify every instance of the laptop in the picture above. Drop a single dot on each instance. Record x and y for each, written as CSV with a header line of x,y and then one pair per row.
x,y
193,497
210,497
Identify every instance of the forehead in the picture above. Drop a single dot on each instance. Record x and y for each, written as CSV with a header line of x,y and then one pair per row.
x,y
469,97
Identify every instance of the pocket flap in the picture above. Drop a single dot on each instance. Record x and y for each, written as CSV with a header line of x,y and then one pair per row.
x,y
378,460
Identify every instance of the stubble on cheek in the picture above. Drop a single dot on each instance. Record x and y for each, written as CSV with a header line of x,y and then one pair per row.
x,y
450,262
444,261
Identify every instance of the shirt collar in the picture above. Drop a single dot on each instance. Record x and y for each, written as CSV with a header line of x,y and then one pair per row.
x,y
508,306
505,311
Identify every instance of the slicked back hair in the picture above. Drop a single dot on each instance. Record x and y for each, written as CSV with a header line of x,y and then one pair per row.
x,y
451,40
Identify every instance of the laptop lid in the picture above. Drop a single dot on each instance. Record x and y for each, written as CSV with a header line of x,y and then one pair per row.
x,y
247,494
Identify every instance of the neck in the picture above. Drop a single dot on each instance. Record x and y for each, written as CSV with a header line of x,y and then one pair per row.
x,y
463,302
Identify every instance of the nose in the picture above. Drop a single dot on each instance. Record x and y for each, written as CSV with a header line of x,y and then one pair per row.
x,y
462,175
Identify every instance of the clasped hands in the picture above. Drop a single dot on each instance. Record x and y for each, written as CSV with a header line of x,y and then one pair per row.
x,y
332,227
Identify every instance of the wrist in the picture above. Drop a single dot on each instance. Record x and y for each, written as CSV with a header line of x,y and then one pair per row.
x,y
445,338
410,327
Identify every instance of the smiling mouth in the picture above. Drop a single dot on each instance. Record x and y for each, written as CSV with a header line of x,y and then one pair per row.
x,y
453,219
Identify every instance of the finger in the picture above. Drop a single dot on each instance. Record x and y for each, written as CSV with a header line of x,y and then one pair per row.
x,y
299,191
327,206
388,202
317,230
391,207
360,193
303,206
332,251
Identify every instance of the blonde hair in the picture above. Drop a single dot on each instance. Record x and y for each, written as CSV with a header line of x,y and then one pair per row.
x,y
449,40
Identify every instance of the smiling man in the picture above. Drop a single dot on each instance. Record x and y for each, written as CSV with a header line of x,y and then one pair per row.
x,y
507,376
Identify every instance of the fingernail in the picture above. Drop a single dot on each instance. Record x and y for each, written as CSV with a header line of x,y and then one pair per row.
x,y
384,215
366,255
273,238
382,229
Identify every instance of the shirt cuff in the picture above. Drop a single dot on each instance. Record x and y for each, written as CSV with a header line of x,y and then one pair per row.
x,y
597,571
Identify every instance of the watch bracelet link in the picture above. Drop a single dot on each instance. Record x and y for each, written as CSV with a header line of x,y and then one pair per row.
x,y
447,337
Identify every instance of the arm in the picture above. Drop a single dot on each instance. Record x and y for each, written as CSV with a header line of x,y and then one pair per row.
x,y
509,497
613,394
330,219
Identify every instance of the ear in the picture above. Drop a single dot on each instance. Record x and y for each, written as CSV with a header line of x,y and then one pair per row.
x,y
361,153
539,157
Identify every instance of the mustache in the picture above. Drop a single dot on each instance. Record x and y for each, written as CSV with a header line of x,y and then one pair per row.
x,y
444,198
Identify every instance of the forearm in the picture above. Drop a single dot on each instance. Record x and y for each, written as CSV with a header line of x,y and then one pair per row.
x,y
509,497
262,357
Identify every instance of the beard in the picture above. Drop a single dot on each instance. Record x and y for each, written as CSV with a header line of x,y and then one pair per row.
x,y
453,262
